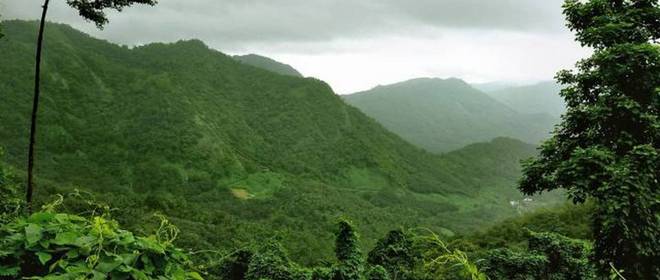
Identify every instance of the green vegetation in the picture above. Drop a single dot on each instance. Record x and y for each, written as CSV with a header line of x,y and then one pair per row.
x,y
226,149
541,98
63,246
92,11
256,167
549,256
607,147
268,64
443,115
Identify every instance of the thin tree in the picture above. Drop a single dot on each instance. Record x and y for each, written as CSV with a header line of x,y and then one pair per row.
x,y
92,10
607,148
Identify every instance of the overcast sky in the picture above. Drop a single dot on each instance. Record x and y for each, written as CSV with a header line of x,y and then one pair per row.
x,y
355,44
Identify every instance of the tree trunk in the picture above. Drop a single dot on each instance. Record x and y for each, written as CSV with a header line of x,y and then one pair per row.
x,y
35,107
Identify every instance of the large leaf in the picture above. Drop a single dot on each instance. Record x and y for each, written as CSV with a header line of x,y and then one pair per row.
x,y
8,270
41,217
33,233
44,257
66,238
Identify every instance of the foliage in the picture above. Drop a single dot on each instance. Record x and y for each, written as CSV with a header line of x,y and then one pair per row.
x,y
272,262
268,64
397,254
94,10
11,206
506,264
443,262
568,220
350,266
549,256
607,147
234,266
377,273
51,245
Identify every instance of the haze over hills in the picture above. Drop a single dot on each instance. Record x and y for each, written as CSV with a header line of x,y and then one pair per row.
x,y
233,153
541,98
268,64
443,115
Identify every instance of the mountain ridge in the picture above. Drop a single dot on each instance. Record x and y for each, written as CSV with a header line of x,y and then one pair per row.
x,y
539,98
441,115
269,64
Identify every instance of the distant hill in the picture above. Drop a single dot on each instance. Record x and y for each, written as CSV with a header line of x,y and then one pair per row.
x,y
232,153
443,115
268,64
492,86
541,98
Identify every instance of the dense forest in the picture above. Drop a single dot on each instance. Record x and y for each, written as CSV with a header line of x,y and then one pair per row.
x,y
176,161
191,133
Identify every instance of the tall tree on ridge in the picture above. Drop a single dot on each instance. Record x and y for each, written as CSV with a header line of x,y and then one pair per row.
x,y
92,10
607,147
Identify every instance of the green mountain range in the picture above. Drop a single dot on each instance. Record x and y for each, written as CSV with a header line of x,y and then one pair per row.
x,y
541,98
268,64
443,115
232,153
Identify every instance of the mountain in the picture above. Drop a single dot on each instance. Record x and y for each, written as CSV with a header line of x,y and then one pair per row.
x,y
268,64
492,86
443,115
541,98
229,152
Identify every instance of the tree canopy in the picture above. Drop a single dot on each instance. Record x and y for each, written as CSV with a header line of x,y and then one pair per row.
x,y
607,147
94,10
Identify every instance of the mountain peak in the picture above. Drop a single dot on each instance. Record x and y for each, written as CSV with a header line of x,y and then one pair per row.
x,y
441,115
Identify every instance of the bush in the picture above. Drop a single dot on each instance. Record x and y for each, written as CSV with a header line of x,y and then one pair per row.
x,y
49,245
549,256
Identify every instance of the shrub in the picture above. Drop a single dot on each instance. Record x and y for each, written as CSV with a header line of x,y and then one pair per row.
x,y
50,245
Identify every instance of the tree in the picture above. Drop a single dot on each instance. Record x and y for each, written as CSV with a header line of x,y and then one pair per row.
x,y
348,253
548,256
92,10
607,147
396,254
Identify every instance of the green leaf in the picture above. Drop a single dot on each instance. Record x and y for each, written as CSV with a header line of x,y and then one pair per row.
x,y
85,241
44,257
72,254
41,217
45,243
195,276
33,234
66,238
109,263
8,270
151,244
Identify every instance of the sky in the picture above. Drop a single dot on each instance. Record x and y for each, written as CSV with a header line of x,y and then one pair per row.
x,y
354,45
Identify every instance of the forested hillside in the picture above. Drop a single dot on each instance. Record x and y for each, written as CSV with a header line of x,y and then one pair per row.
x,y
229,152
443,115
268,64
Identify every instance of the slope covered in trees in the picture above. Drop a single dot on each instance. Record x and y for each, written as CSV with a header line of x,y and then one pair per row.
x,y
444,115
226,149
268,64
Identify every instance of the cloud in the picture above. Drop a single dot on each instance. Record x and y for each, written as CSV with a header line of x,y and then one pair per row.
x,y
354,44
231,23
